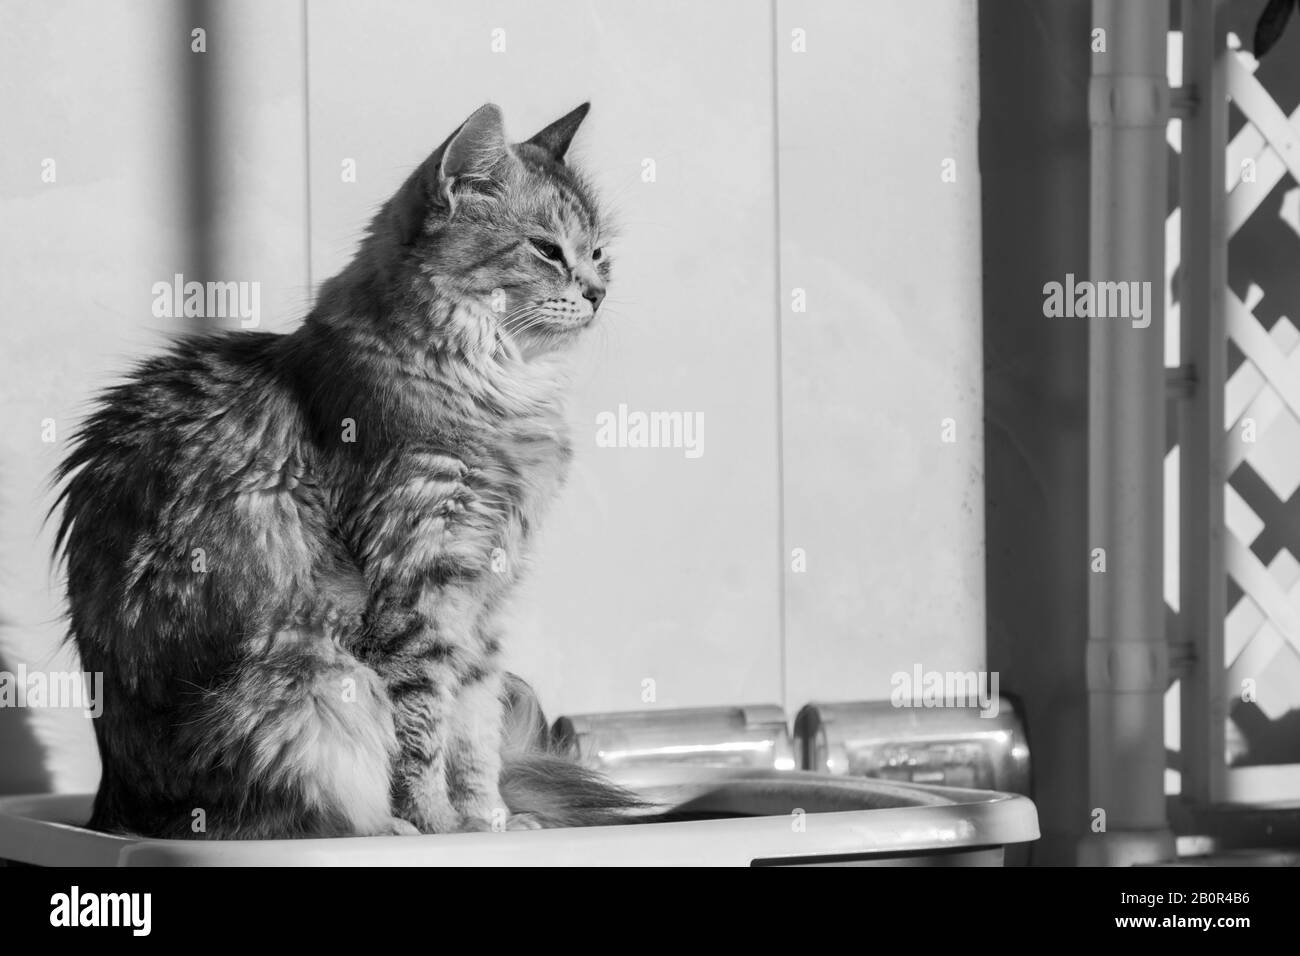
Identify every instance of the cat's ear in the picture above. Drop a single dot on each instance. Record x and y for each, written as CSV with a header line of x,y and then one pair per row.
x,y
465,156
555,139
473,150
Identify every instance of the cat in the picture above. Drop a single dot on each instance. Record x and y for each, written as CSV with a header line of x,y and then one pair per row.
x,y
288,554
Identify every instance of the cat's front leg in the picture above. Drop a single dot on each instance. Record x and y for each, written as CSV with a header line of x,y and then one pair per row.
x,y
474,758
421,644
425,533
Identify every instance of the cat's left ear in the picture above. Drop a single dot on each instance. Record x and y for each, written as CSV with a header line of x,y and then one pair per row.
x,y
555,139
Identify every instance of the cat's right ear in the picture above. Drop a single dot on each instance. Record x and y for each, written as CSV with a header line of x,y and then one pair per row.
x,y
465,157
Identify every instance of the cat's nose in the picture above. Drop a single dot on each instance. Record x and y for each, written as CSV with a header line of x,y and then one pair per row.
x,y
595,295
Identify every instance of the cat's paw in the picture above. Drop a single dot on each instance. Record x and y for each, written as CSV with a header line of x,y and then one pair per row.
x,y
523,821
396,826
499,823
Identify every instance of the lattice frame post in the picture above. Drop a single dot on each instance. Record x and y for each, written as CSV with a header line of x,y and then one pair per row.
x,y
1203,344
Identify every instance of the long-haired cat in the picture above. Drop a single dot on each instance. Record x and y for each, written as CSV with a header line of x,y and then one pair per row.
x,y
288,553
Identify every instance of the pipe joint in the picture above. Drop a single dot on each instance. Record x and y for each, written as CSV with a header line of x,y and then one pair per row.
x,y
1122,666
1128,100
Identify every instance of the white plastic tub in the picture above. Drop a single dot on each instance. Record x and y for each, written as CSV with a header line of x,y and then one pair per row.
x,y
724,817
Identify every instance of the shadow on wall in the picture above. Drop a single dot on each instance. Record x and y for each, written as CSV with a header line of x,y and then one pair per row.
x,y
20,750
1267,741
1034,149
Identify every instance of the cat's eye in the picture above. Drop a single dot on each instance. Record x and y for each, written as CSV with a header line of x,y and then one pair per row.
x,y
548,250
597,255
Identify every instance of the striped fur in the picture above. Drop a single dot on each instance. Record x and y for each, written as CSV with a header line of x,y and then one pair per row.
x,y
287,554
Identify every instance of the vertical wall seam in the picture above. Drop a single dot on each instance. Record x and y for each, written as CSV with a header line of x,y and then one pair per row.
x,y
780,365
198,175
306,125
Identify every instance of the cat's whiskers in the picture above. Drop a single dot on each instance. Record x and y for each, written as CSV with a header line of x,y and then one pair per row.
x,y
509,324
535,319
534,322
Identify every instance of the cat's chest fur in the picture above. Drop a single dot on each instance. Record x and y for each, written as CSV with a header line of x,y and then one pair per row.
x,y
472,461
517,474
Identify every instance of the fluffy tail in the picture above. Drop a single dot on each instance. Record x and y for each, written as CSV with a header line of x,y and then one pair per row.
x,y
557,792
541,779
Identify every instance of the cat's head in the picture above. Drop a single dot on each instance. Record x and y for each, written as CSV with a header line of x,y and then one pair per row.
x,y
509,230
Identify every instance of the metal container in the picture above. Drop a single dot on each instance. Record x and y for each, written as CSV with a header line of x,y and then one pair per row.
x,y
951,746
754,736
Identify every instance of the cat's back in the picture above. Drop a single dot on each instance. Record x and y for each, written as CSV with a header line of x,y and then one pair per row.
x,y
182,480
204,399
